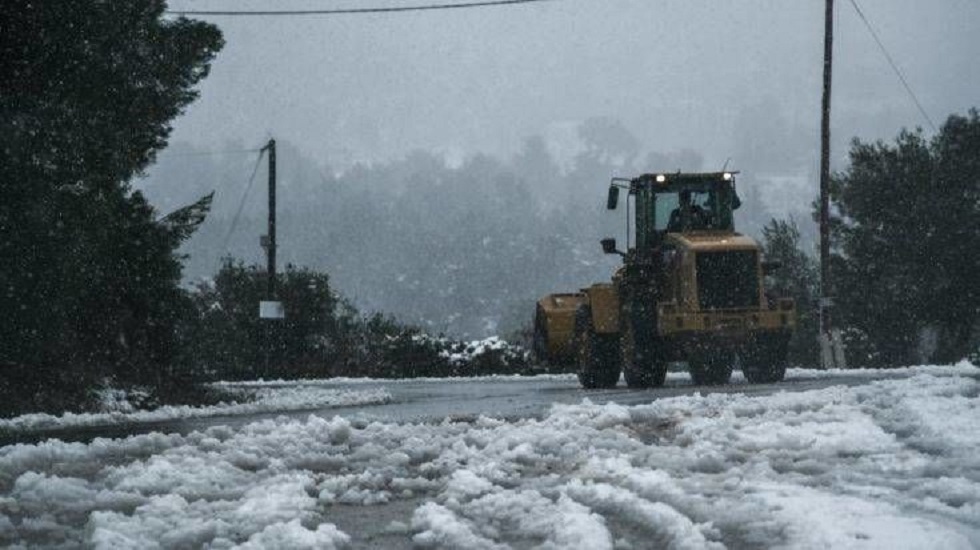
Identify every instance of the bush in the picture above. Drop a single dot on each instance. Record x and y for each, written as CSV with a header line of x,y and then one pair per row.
x,y
321,336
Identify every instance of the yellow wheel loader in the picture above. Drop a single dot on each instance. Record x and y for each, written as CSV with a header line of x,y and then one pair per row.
x,y
691,289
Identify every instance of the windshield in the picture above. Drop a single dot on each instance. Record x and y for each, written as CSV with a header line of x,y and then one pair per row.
x,y
691,210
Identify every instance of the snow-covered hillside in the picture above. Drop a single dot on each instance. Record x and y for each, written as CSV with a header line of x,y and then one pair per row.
x,y
886,464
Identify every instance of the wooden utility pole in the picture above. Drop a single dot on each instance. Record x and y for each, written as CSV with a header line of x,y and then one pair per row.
x,y
828,50
270,309
270,250
831,346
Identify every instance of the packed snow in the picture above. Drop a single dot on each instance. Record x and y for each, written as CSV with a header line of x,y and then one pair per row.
x,y
886,464
296,396
673,376
463,353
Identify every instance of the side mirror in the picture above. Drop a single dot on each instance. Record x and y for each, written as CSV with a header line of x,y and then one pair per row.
x,y
613,198
771,266
609,246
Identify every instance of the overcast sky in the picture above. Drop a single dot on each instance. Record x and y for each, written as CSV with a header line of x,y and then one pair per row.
x,y
694,74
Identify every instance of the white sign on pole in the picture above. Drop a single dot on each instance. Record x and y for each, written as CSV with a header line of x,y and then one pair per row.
x,y
271,310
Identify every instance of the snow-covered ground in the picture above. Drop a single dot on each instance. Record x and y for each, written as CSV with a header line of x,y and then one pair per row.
x,y
737,378
296,396
270,396
887,464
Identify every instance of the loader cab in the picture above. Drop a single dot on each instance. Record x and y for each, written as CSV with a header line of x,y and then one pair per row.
x,y
676,203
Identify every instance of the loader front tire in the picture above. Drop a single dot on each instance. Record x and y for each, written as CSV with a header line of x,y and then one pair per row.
x,y
644,363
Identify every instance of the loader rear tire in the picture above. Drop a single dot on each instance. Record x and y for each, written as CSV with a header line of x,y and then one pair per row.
x,y
764,359
710,367
645,376
598,355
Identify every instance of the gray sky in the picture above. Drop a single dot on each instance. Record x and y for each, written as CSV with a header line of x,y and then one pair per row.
x,y
706,75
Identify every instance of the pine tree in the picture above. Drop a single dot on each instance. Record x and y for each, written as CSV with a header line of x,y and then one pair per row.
x,y
89,276
797,278
907,227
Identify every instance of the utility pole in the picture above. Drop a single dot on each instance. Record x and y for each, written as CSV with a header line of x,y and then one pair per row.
x,y
270,250
831,346
828,50
270,309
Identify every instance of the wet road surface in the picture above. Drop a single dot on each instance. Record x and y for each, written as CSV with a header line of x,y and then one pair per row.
x,y
460,399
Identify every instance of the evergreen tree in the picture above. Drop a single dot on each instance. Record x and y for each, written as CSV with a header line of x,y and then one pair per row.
x,y
796,277
906,225
89,277
955,239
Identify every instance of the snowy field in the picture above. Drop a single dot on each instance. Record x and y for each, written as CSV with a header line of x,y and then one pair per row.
x,y
887,464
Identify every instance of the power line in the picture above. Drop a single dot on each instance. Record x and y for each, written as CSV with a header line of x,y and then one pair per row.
x,y
209,153
891,62
357,11
241,205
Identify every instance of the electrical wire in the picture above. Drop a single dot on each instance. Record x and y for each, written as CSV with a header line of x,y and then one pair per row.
x,y
241,205
209,153
894,66
358,11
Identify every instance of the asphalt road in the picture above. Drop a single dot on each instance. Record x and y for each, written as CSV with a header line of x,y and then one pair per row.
x,y
462,399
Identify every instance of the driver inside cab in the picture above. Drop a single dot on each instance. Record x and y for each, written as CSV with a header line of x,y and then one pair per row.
x,y
696,216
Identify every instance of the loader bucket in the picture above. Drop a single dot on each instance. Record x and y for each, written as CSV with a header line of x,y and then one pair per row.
x,y
554,327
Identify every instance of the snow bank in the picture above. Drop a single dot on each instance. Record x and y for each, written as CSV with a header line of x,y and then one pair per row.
x,y
286,397
464,353
119,400
345,381
938,370
888,464
674,376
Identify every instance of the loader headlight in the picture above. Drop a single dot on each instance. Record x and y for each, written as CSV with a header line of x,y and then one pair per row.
x,y
727,176
661,178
